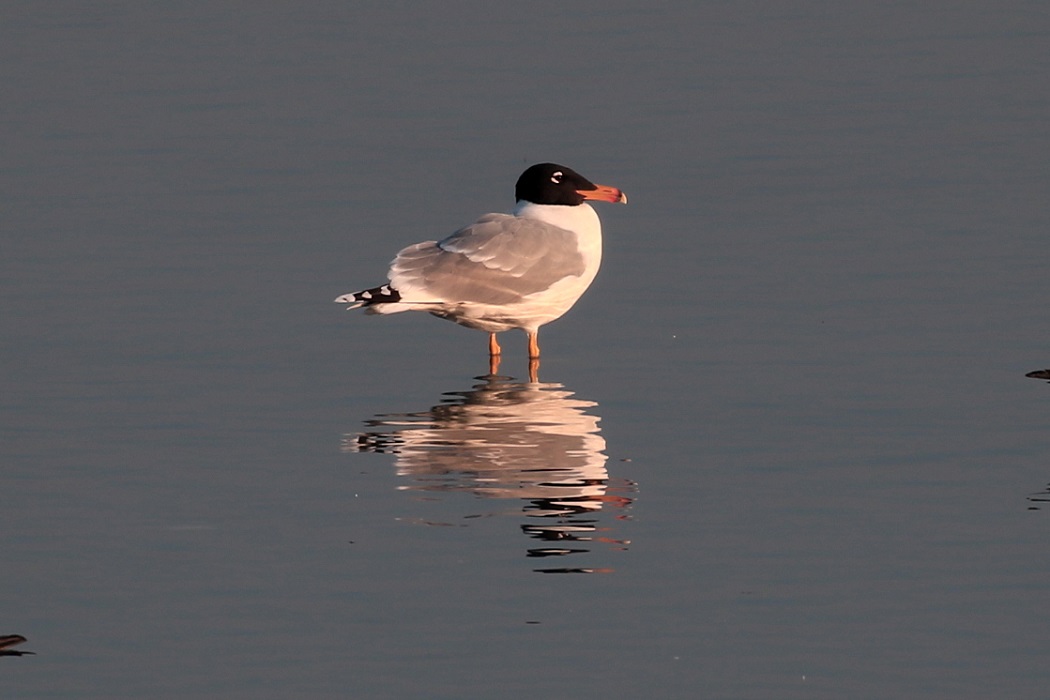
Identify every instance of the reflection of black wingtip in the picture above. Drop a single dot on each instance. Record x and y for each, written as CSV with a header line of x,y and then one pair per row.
x,y
10,640
1039,374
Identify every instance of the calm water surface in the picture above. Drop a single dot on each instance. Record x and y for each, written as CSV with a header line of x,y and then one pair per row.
x,y
783,448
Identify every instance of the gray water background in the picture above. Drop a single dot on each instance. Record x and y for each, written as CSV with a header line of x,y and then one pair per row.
x,y
806,350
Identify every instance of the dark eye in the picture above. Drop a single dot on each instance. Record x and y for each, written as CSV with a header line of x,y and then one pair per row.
x,y
556,177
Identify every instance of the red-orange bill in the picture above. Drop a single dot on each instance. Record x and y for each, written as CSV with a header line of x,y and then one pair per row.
x,y
604,193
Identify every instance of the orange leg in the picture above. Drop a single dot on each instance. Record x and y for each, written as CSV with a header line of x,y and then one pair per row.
x,y
534,370
534,346
494,348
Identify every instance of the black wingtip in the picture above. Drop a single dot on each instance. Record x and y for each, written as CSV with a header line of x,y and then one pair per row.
x,y
384,294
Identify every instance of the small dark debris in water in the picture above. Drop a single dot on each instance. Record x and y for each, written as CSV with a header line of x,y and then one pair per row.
x,y
10,640
1039,374
1040,497
532,622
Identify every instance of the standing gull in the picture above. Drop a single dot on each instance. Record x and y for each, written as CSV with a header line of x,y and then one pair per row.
x,y
504,271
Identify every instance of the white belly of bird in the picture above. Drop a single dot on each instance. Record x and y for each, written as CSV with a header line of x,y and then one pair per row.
x,y
529,314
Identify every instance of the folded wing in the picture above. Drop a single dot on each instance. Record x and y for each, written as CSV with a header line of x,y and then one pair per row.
x,y
499,259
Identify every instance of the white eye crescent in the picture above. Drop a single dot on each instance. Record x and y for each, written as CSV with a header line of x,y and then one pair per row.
x,y
556,177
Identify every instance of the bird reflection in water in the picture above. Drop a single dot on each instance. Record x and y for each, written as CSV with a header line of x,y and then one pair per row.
x,y
504,439
12,640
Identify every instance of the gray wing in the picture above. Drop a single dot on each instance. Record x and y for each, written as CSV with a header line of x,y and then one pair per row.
x,y
497,260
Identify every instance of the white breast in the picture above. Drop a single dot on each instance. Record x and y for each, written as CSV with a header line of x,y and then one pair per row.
x,y
542,307
582,220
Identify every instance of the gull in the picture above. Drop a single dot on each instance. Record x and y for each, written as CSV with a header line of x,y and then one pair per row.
x,y
504,271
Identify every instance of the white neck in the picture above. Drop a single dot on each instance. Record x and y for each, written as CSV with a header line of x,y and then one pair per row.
x,y
581,218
